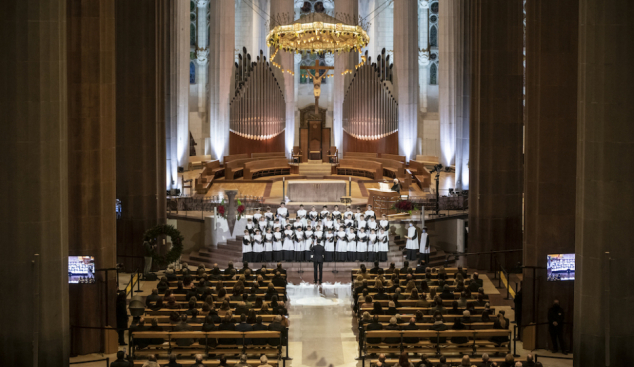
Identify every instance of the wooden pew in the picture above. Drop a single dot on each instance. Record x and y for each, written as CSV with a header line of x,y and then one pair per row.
x,y
197,161
170,345
427,325
211,171
449,319
394,157
268,155
234,168
455,361
267,167
425,310
428,160
357,155
363,168
190,362
233,157
395,169
421,174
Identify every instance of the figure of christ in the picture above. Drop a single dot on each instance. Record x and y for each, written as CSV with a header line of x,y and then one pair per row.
x,y
317,80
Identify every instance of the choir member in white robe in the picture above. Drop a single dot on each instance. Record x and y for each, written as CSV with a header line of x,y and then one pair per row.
x,y
351,237
298,225
338,224
424,246
277,224
278,238
263,224
299,244
258,246
329,245
348,212
362,224
313,216
269,214
384,223
247,247
318,236
336,214
268,246
323,214
411,246
301,216
372,246
362,245
373,225
349,223
288,247
308,242
329,224
342,246
250,225
383,244
257,215
358,215
282,213
369,213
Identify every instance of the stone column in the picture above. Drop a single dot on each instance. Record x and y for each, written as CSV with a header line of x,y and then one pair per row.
x,y
92,161
343,61
406,75
287,60
221,53
202,61
605,166
550,154
140,109
34,215
454,127
423,53
495,166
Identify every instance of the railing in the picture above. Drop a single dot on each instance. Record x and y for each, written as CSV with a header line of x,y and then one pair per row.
x,y
447,201
129,288
203,205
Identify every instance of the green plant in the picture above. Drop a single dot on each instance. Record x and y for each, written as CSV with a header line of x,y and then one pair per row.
x,y
177,242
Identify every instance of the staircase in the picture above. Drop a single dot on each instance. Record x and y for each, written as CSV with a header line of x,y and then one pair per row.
x,y
314,169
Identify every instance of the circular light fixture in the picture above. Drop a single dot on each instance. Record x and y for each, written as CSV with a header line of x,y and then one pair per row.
x,y
318,33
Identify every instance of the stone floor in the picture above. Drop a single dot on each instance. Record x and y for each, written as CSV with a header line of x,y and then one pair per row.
x,y
323,330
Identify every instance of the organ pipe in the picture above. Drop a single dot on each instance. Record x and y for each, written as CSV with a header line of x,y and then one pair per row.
x,y
257,109
369,109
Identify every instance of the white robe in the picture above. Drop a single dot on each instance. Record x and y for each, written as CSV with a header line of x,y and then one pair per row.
x,y
288,242
277,241
268,242
314,218
258,247
423,242
362,224
299,241
352,242
318,237
329,246
308,242
362,246
249,247
385,224
269,216
301,216
345,214
383,246
373,225
281,213
336,214
368,214
342,244
328,224
412,243
323,215
262,225
256,217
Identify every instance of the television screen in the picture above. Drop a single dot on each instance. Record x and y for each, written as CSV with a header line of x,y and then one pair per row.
x,y
560,267
81,269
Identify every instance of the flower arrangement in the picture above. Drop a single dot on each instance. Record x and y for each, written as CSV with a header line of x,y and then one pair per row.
x,y
241,209
404,206
221,209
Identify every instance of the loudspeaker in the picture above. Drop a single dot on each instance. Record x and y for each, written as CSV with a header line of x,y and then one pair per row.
x,y
181,169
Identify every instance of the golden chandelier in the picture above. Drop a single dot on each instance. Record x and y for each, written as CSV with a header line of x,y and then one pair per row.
x,y
318,33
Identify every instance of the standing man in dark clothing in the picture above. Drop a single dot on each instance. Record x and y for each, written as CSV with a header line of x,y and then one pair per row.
x,y
518,310
149,252
318,254
122,316
122,360
556,326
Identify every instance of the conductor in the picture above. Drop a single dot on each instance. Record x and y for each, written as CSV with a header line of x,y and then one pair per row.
x,y
318,253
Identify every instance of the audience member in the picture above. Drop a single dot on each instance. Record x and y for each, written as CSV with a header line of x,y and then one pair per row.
x,y
264,362
151,361
403,360
122,360
199,361
243,361
184,326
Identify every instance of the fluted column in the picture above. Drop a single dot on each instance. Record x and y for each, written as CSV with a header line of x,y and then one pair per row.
x,y
495,159
406,66
202,72
287,60
34,214
605,165
343,61
221,56
92,162
141,71
549,197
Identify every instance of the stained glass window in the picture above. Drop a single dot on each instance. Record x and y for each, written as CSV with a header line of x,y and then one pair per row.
x,y
192,73
433,74
433,37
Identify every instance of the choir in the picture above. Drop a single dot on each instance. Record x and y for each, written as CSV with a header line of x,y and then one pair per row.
x,y
346,236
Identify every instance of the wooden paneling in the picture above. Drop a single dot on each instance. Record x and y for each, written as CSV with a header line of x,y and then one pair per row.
x,y
387,145
240,145
325,143
303,143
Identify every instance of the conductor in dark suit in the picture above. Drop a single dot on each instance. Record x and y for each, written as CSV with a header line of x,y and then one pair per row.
x,y
318,253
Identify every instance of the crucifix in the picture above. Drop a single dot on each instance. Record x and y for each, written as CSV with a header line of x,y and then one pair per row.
x,y
317,80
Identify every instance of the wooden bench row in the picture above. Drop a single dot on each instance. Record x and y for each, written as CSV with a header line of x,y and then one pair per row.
x,y
170,342
168,311
425,310
236,318
211,171
362,168
405,317
438,342
211,363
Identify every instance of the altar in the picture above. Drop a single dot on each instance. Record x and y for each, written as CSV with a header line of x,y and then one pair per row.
x,y
382,199
316,191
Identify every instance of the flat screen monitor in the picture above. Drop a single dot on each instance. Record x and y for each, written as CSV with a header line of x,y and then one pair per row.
x,y
560,267
81,269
